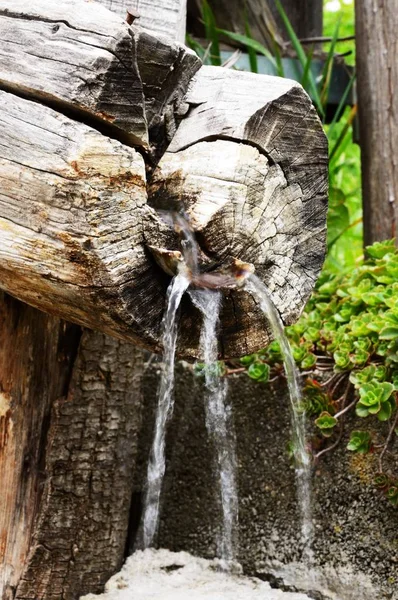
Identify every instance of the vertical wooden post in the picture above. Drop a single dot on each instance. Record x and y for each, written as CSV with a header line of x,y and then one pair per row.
x,y
377,66
70,404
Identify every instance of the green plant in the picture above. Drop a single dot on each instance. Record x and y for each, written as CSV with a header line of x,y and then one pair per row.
x,y
349,327
360,441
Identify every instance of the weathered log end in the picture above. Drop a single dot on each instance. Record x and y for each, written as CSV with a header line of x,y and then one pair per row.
x,y
250,172
103,125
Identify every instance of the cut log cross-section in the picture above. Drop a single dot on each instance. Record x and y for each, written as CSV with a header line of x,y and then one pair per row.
x,y
102,123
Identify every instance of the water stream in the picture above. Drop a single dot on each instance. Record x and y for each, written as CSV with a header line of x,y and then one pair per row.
x,y
218,423
157,459
218,417
302,457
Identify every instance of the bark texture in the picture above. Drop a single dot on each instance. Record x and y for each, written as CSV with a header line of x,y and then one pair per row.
x,y
377,66
69,413
81,530
37,353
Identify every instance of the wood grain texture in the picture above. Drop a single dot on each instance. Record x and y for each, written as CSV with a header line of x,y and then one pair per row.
x,y
72,204
74,213
77,56
377,67
164,18
166,70
80,533
250,169
37,353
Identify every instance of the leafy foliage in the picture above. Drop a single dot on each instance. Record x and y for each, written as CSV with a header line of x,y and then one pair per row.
x,y
350,326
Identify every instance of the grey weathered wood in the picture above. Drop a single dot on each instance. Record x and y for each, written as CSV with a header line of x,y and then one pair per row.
x,y
165,18
377,50
76,219
165,68
249,166
70,55
72,206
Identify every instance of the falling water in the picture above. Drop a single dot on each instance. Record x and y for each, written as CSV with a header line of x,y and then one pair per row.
x,y
302,457
156,465
218,422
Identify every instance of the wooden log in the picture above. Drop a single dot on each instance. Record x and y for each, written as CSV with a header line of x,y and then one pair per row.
x,y
37,352
74,211
69,412
164,18
166,70
250,170
72,203
72,54
377,47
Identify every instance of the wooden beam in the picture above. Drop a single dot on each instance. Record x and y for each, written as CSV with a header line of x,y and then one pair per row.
x,y
377,49
162,18
72,54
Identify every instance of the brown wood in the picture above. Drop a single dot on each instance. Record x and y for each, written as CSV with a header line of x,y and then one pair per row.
x,y
69,413
80,533
377,67
37,354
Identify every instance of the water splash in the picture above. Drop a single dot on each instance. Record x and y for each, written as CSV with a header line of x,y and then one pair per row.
x,y
157,460
218,423
301,454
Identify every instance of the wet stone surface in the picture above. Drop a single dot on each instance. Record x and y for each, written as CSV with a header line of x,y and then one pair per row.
x,y
356,530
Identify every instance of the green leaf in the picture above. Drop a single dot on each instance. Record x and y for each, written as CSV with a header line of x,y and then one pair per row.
x,y
389,333
380,249
247,360
342,359
249,42
360,441
325,421
385,412
308,362
259,371
361,411
211,33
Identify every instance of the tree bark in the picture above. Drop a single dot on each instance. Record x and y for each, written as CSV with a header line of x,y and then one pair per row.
x,y
377,67
69,412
